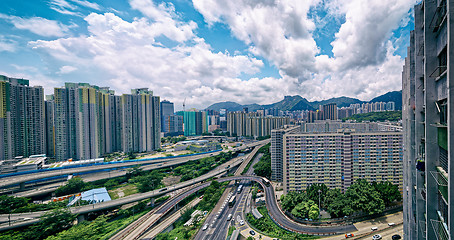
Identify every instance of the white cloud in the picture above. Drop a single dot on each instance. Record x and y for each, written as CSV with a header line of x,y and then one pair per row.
x,y
127,55
277,30
361,39
38,25
87,4
7,45
64,7
66,69
364,63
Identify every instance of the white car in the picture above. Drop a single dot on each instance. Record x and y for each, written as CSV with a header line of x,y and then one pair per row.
x,y
391,224
376,237
241,222
204,227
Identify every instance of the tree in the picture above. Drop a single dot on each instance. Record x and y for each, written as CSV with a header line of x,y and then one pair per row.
x,y
290,200
312,192
306,209
131,155
53,222
74,185
336,204
363,197
135,171
388,192
9,203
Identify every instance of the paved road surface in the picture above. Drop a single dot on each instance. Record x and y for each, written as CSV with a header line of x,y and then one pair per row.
x,y
13,180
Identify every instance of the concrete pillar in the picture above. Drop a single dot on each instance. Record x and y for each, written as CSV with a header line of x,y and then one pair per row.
x,y
22,185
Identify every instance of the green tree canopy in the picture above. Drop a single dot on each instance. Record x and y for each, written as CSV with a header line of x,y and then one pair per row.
x,y
363,197
388,192
74,185
312,192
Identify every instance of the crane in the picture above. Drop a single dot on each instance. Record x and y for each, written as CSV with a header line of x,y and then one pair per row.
x,y
184,105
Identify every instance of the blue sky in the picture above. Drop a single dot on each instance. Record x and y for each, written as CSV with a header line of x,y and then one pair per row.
x,y
209,51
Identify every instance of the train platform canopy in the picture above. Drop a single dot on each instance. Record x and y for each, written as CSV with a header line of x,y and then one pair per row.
x,y
96,195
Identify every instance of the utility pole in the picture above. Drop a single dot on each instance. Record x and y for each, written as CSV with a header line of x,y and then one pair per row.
x,y
319,210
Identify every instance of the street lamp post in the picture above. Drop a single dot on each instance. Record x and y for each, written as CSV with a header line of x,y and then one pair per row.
x,y
319,210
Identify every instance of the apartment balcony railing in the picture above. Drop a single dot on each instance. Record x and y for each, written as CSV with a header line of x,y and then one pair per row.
x,y
443,209
443,159
422,227
440,70
440,229
422,191
439,17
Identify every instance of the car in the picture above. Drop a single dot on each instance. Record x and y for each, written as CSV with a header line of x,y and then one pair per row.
x,y
241,222
396,237
252,232
374,228
204,227
229,217
391,224
376,237
348,235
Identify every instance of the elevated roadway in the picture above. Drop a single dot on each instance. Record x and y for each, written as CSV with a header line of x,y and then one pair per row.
x,y
139,227
157,163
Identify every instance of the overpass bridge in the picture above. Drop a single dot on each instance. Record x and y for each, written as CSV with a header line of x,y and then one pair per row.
x,y
22,179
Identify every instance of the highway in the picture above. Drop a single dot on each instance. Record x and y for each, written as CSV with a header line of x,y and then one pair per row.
x,y
14,180
221,227
129,199
138,228
276,214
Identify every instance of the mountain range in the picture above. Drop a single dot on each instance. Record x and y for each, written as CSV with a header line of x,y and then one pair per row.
x,y
293,103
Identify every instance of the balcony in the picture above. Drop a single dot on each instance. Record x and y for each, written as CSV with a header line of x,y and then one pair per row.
x,y
422,227
422,191
439,72
441,177
439,17
440,229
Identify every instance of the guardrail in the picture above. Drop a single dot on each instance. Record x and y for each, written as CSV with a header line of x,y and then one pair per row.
x,y
100,164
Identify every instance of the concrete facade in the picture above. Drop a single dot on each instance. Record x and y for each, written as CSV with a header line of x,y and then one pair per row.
x,y
21,118
277,150
339,159
428,121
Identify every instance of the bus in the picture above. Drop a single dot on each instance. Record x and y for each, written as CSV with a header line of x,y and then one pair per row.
x,y
266,182
232,201
240,188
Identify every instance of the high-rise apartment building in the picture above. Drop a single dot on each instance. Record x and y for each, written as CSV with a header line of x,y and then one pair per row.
x,y
21,118
49,106
141,121
252,124
338,159
277,150
78,122
195,123
330,111
166,110
428,121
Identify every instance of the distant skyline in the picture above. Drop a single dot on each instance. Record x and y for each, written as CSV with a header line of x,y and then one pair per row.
x,y
210,51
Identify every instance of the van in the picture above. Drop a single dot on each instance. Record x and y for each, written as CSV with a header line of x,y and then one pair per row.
x,y
374,228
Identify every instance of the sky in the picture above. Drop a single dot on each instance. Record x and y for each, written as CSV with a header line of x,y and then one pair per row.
x,y
208,51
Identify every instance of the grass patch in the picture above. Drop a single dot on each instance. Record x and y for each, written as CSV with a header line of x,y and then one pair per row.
x,y
269,228
127,189
231,229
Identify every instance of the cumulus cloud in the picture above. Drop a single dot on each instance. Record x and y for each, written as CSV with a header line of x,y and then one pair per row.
x,y
7,45
361,40
364,63
129,56
38,25
277,30
66,69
